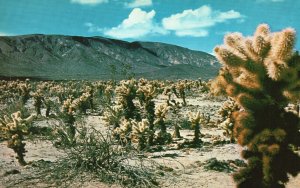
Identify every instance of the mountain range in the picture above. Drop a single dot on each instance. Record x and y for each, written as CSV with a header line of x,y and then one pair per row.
x,y
58,57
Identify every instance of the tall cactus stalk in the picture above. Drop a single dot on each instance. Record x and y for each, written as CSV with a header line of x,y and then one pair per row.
x,y
261,73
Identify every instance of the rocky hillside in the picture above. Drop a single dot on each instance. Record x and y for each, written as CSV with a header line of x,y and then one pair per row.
x,y
72,57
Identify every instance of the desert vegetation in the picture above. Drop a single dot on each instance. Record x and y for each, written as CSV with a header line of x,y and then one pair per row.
x,y
160,133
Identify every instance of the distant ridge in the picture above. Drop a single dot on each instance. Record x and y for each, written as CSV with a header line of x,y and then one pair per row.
x,y
58,57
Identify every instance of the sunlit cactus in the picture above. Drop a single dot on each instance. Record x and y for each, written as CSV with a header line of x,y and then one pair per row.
x,y
59,91
226,112
14,129
168,92
261,73
163,136
68,117
174,108
82,103
181,86
126,93
196,119
146,94
123,132
140,133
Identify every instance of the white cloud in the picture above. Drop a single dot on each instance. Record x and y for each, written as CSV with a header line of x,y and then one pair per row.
x,y
138,3
194,33
89,2
197,22
93,28
138,24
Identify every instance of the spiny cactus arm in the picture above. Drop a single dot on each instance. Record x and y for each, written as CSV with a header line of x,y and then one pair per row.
x,y
262,72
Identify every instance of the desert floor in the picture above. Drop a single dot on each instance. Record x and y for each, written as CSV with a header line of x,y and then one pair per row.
x,y
187,164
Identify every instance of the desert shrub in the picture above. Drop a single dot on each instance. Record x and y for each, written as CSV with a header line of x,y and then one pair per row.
x,y
261,73
223,166
96,156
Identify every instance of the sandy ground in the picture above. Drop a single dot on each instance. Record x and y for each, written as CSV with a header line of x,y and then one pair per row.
x,y
187,164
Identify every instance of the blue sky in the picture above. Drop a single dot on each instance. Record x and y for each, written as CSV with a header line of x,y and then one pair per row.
x,y
195,24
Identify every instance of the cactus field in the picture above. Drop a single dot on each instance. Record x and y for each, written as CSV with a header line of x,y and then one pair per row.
x,y
240,129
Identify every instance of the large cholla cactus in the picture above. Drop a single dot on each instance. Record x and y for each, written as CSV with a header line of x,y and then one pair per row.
x,y
14,129
160,114
126,93
146,94
195,120
261,73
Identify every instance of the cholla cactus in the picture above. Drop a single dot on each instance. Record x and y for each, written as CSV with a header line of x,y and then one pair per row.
x,y
24,90
226,111
181,86
168,92
140,133
89,92
124,131
82,103
48,103
195,120
126,93
68,112
59,91
113,116
174,107
108,92
38,101
146,95
14,129
261,73
160,114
